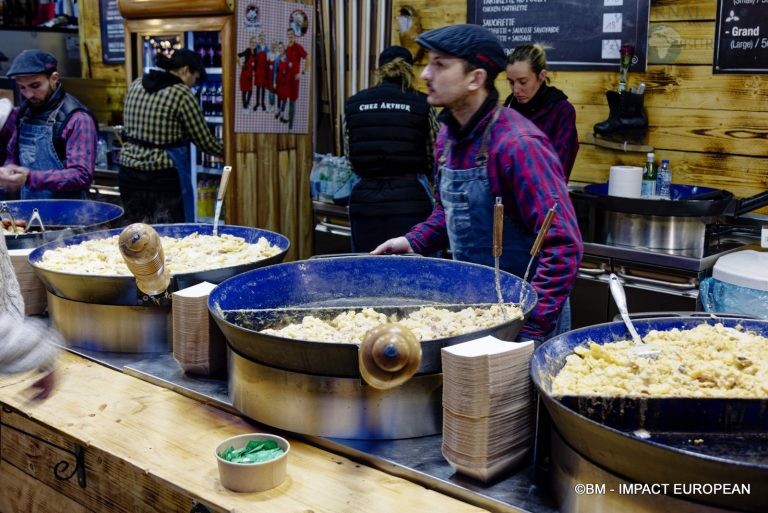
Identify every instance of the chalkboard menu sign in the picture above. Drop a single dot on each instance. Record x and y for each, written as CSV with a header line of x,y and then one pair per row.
x,y
112,33
576,34
741,39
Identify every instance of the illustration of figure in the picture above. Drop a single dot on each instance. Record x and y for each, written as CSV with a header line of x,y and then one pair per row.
x,y
296,55
261,73
299,23
282,82
272,59
246,74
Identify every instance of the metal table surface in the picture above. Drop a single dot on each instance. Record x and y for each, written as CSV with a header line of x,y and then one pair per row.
x,y
416,459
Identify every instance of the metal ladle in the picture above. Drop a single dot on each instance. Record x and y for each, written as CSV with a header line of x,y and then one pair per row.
x,y
620,298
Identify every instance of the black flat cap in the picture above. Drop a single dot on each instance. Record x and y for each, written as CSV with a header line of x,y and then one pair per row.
x,y
473,43
391,53
32,62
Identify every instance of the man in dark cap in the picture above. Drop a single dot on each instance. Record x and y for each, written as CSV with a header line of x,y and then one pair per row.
x,y
484,152
48,160
389,132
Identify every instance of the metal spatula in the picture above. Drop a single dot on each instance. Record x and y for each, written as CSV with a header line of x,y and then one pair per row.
x,y
617,291
220,197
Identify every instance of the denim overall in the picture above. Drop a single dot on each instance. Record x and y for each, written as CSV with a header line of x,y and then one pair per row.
x,y
180,156
468,205
37,153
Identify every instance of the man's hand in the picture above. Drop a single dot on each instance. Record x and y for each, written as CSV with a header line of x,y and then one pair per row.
x,y
13,176
46,385
396,245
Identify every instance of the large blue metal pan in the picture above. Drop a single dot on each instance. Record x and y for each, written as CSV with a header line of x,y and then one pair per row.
x,y
733,433
122,290
348,282
61,218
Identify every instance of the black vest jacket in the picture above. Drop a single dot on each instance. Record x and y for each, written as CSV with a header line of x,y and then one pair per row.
x,y
66,105
388,131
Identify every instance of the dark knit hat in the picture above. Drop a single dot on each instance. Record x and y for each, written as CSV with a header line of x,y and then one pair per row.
x,y
473,43
32,62
391,53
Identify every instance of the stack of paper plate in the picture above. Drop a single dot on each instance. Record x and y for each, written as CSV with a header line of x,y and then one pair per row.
x,y
487,405
32,289
199,346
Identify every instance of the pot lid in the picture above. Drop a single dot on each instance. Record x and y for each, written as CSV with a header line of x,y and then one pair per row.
x,y
746,268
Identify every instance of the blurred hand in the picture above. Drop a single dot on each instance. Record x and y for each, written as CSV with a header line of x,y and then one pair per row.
x,y
397,245
13,176
46,384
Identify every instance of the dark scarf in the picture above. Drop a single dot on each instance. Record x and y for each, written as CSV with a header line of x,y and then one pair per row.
x,y
544,97
156,80
51,104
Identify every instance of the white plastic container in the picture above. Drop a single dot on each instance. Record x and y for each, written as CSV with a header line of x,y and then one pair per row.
x,y
739,284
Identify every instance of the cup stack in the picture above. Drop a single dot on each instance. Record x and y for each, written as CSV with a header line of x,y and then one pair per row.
x,y
487,406
199,346
32,289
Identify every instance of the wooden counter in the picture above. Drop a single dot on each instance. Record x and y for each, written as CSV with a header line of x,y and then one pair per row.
x,y
149,449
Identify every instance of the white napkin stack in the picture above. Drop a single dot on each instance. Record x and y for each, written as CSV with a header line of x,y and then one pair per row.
x,y
488,414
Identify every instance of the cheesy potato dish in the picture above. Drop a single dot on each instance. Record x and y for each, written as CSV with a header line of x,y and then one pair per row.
x,y
706,361
192,253
427,323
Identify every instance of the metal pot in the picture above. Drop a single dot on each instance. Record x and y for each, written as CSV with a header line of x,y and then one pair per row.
x,y
354,281
604,429
122,290
60,218
679,223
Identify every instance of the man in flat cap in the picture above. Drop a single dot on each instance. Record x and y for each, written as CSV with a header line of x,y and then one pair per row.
x,y
389,133
53,152
483,152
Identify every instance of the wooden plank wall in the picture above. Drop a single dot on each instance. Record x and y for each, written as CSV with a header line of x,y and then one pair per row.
x,y
712,128
269,188
271,181
105,94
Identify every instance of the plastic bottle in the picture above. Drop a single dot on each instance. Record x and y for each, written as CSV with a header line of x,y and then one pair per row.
x,y
664,180
101,154
648,187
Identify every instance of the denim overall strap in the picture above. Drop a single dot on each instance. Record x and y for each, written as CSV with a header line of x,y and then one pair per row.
x,y
180,156
468,204
36,152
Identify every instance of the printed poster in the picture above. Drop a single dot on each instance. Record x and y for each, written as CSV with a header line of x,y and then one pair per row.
x,y
273,71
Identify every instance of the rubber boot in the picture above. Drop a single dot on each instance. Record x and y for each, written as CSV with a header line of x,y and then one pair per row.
x,y
626,119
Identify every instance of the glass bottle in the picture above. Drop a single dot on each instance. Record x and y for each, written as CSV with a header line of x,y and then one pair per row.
x,y
648,187
664,180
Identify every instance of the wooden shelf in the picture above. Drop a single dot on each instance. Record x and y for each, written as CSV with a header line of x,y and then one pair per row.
x,y
626,146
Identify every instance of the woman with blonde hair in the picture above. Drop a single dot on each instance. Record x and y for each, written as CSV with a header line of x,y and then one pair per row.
x,y
547,106
389,134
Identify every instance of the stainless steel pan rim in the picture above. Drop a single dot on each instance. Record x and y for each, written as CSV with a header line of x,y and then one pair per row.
x,y
612,432
354,281
122,290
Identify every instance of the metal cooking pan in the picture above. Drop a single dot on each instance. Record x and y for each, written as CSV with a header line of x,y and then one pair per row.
x,y
355,281
733,433
687,201
122,290
61,218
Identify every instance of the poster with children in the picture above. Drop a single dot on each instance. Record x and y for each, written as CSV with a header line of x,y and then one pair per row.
x,y
273,71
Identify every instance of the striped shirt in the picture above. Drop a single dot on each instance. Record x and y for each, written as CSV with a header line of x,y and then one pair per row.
x,y
165,116
525,171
